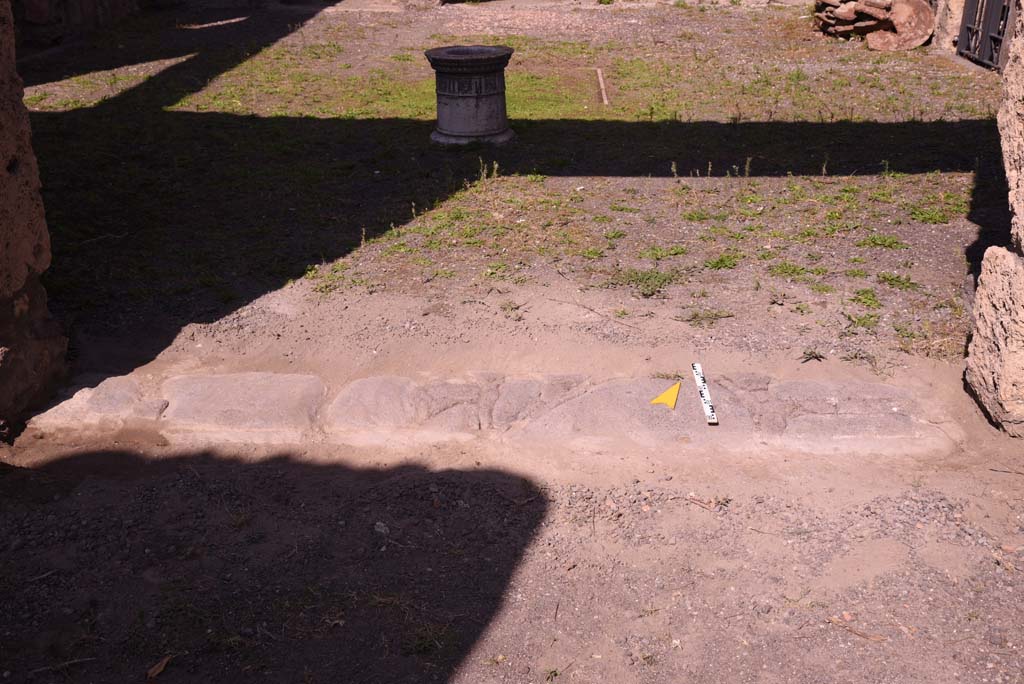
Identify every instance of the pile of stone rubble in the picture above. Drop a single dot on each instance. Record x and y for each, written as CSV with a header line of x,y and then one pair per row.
x,y
886,24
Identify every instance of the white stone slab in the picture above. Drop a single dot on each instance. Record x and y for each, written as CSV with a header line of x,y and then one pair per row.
x,y
242,407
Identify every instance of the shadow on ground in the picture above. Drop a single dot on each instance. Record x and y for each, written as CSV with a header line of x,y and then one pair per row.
x,y
161,218
281,570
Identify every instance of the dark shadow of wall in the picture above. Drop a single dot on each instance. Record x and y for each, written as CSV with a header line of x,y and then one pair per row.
x,y
278,570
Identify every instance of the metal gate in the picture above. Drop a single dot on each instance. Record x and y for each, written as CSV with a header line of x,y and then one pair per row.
x,y
986,31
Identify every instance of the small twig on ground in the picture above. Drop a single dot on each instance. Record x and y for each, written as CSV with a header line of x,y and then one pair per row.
x,y
595,311
878,638
1008,472
558,604
518,502
106,236
260,629
697,502
604,91
43,576
60,666
754,529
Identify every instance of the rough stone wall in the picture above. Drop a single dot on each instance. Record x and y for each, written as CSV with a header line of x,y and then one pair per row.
x,y
948,17
995,362
31,346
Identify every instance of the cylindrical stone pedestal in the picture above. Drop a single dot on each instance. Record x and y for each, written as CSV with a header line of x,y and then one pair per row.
x,y
470,94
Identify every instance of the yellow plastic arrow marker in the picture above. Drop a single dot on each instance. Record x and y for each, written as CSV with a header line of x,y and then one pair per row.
x,y
668,397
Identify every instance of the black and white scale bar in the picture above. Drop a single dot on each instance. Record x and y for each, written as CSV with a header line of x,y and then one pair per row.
x,y
705,395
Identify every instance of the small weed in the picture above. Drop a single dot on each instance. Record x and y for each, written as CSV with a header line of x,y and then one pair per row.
x,y
726,260
624,208
592,253
822,288
864,357
512,310
811,355
883,242
787,269
647,282
705,318
904,332
856,273
807,235
867,298
444,273
897,281
697,215
802,308
402,57
427,639
621,313
937,209
497,271
615,235
536,178
865,321
659,253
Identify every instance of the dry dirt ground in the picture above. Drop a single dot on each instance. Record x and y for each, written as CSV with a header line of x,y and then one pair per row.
x,y
346,407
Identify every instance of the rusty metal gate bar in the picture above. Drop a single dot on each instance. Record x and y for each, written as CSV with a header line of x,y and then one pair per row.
x,y
986,31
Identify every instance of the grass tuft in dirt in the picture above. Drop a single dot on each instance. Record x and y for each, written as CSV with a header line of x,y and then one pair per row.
x,y
883,242
647,282
705,318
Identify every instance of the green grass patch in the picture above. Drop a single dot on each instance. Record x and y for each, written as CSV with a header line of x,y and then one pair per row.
x,y
867,298
647,282
880,241
868,321
939,209
658,253
897,281
726,260
787,269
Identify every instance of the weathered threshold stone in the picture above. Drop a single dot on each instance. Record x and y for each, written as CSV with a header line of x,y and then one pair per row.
x,y
995,363
242,407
